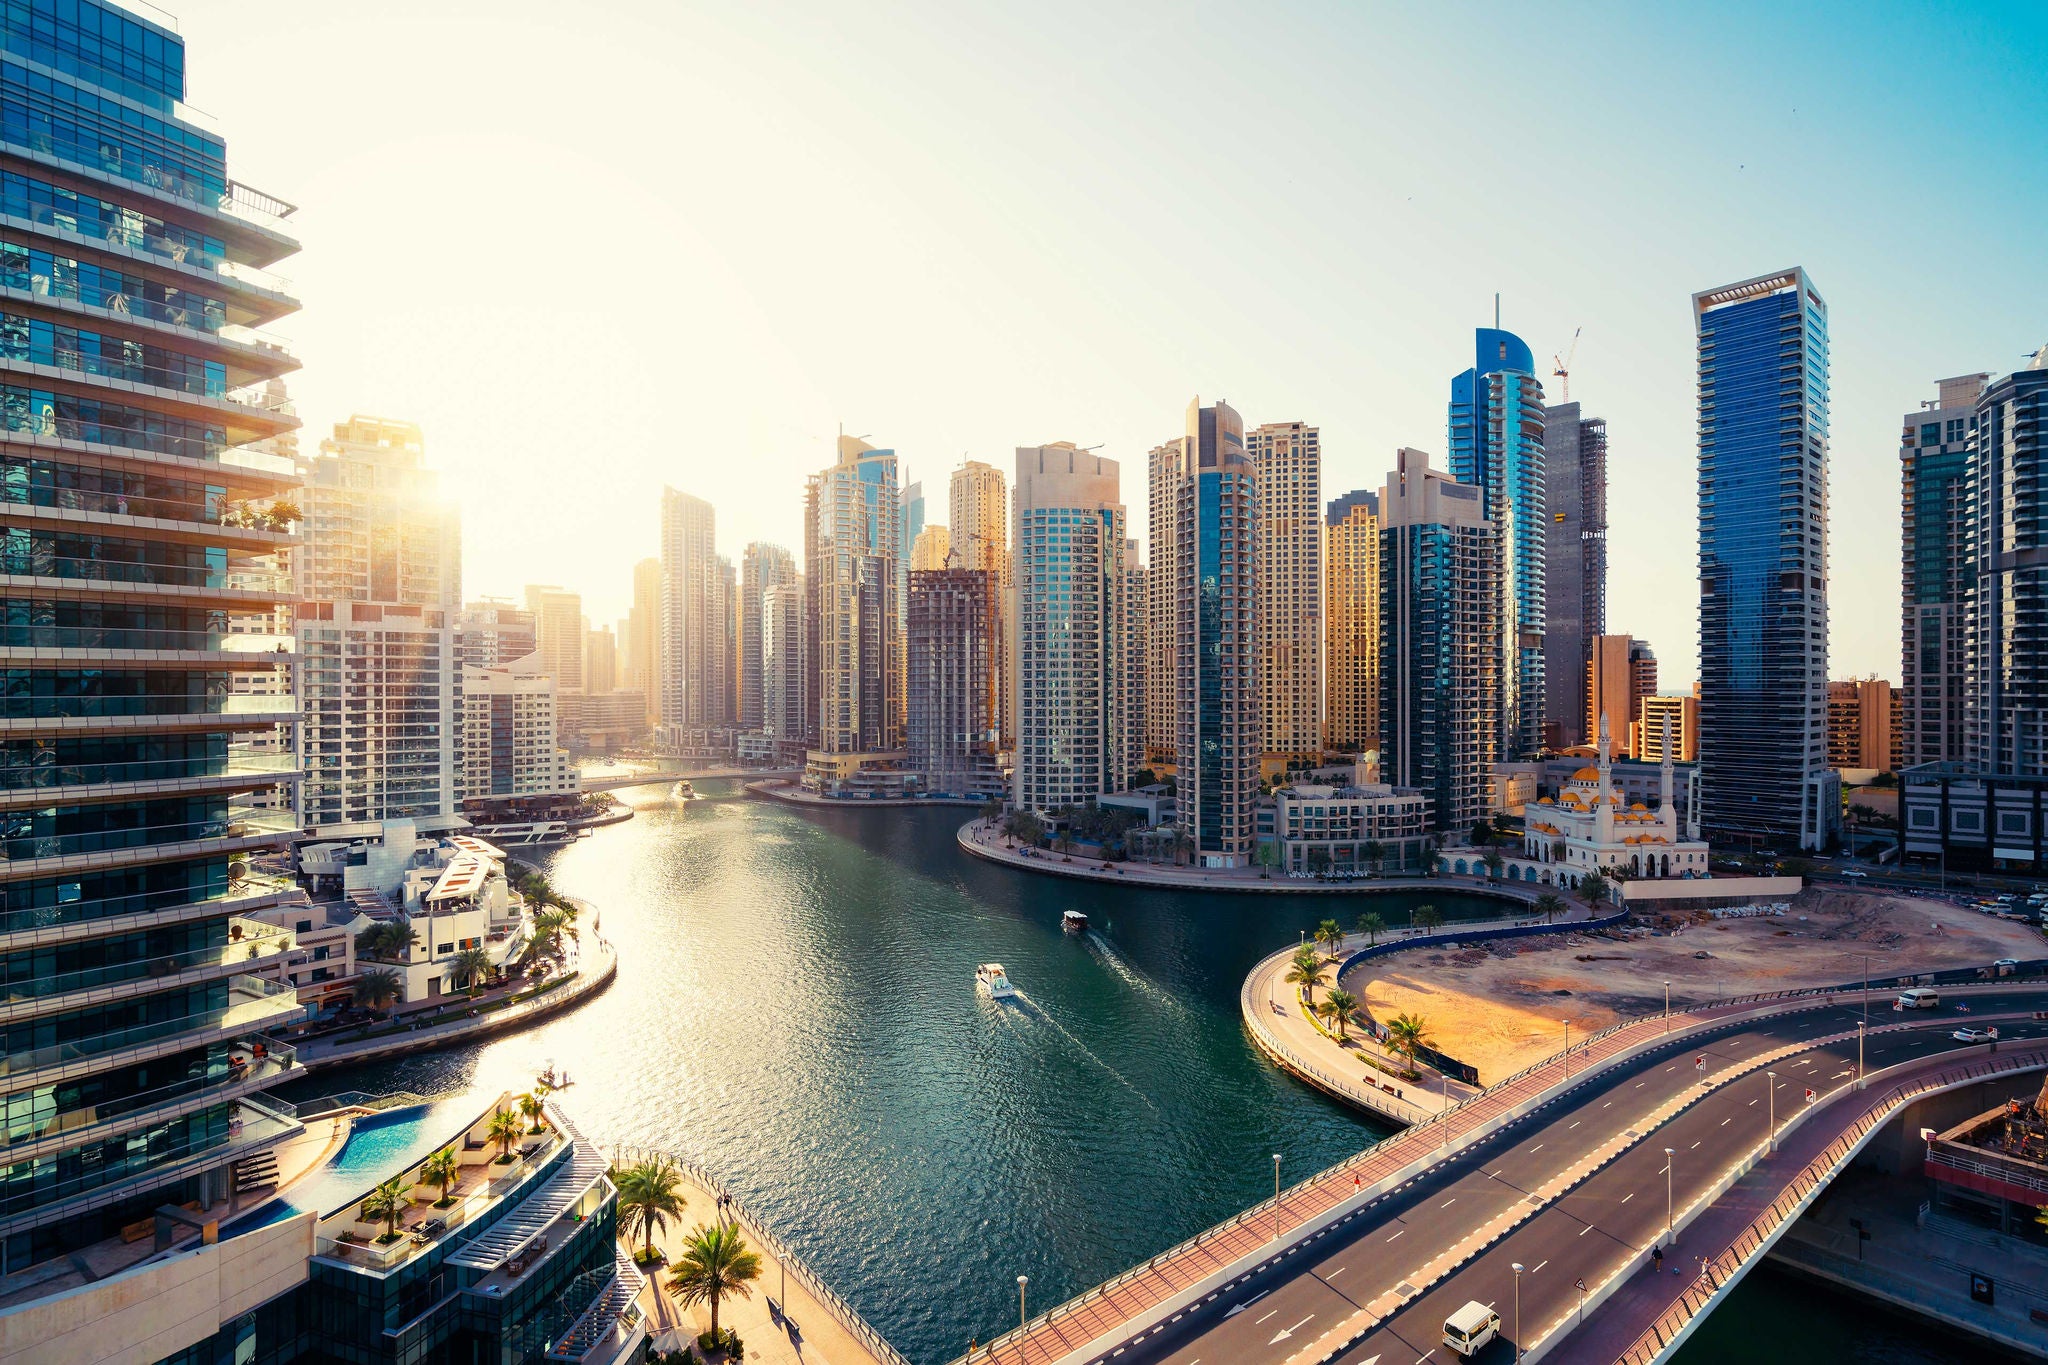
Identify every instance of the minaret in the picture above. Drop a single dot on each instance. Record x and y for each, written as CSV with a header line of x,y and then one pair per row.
x,y
1604,799
1667,815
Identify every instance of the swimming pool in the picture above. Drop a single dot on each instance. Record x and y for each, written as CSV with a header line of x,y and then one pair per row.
x,y
378,1147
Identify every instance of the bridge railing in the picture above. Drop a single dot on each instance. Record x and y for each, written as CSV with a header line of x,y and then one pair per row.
x,y
846,1314
1670,1325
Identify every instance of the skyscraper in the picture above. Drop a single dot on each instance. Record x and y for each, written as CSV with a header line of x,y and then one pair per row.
x,y
1219,731
134,397
1862,724
951,703
1763,433
694,608
380,587
931,550
600,661
558,633
978,537
1574,563
642,645
1161,728
1618,674
1496,429
1137,625
1069,694
2009,600
785,672
1288,459
1440,657
1351,537
860,627
762,567
491,632
1937,530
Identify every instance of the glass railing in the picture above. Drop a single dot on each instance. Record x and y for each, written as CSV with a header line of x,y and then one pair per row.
x,y
247,892
239,823
125,164
254,1060
131,231
252,1123
256,397
236,763
201,315
139,637
35,565
263,460
207,512
255,1003
258,941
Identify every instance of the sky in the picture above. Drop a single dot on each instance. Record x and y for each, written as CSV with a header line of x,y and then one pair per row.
x,y
598,248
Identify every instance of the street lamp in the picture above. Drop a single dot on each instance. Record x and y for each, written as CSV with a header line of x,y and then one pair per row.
x,y
1518,1312
1859,1054
1667,1007
1567,1048
1022,1280
1670,1233
1771,1146
1276,1196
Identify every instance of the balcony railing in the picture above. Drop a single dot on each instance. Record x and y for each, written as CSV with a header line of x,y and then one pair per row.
x,y
135,637
257,941
259,1003
124,164
237,824
256,397
250,1124
55,776
213,703
245,1064
31,918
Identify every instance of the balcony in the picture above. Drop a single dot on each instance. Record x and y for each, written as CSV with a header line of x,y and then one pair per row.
x,y
255,1005
252,943
35,925
50,854
241,769
253,1064
113,165
219,646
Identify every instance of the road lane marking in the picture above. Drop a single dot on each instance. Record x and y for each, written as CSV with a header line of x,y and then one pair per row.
x,y
1247,1303
1537,1148
1269,1313
1589,1227
1448,1202
1630,1195
1398,1234
1287,1332
1539,1265
1335,1273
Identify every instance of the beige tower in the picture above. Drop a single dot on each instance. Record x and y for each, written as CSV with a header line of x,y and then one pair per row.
x,y
1162,629
1289,587
1351,612
978,536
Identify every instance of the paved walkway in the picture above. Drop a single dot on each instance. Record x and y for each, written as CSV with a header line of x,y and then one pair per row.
x,y
985,839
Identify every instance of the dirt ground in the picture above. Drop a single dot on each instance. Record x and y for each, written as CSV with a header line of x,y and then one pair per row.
x,y
1501,1006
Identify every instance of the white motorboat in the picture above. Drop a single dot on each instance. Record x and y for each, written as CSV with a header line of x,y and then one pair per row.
x,y
992,981
1074,922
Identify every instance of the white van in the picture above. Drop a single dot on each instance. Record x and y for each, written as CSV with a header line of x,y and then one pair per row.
x,y
1470,1328
1919,998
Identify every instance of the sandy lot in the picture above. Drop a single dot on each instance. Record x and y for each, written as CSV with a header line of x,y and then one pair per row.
x,y
1503,1006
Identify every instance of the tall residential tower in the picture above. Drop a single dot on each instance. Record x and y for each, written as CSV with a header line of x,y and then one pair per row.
x,y
1351,538
1574,564
1937,532
1288,459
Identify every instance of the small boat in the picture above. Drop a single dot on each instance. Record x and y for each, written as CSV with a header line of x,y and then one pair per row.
x,y
992,981
1074,922
552,1079
685,792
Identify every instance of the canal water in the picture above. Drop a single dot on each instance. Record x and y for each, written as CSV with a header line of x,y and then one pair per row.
x,y
795,1011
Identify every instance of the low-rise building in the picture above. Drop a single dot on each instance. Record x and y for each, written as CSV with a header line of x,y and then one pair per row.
x,y
512,766
1592,826
1966,819
866,776
1351,829
1156,803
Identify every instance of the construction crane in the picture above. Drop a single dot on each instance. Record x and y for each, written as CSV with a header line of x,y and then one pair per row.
x,y
1563,364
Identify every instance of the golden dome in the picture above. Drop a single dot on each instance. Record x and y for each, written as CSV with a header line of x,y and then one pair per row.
x,y
1586,775
1639,806
1546,801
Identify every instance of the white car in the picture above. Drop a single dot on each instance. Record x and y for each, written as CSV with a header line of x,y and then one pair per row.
x,y
1975,1035
1854,872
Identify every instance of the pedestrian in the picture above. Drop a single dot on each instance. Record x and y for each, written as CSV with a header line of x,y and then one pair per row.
x,y
1657,1260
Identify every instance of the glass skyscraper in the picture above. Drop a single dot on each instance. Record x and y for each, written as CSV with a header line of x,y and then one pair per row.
x,y
135,510
1763,436
1936,533
1496,446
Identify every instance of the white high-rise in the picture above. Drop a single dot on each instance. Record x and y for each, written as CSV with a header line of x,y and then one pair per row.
x,y
1289,587
858,566
695,612
558,633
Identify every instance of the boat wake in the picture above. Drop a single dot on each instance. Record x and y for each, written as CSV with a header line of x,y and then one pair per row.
x,y
1031,1008
1131,976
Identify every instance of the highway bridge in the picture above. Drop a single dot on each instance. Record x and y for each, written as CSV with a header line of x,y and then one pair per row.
x,y
666,773
1659,1131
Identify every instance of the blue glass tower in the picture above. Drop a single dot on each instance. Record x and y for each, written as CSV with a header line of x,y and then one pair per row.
x,y
1763,434
1496,446
134,391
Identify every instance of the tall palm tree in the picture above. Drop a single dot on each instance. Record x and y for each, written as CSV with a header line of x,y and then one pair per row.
x,y
1329,935
377,988
1370,924
1549,905
714,1263
470,967
505,1128
1427,918
531,1108
443,1168
1375,853
1339,1004
1493,863
386,1205
1593,888
1308,973
650,1193
1409,1033
547,930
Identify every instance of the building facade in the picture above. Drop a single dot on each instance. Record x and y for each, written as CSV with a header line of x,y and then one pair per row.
x,y
951,727
640,650
1220,734
1682,716
1440,656
1937,527
1162,607
1287,459
1351,539
558,629
1763,462
860,611
1619,673
492,632
978,537
695,616
1496,446
785,671
1069,694
1351,830
136,399
762,567
930,551
2009,596
1574,563
1863,725
512,762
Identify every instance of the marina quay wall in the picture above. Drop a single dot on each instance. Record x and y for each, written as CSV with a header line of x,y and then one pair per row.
x,y
1710,888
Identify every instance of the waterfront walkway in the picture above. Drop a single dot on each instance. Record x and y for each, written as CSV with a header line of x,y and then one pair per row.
x,y
985,839
790,793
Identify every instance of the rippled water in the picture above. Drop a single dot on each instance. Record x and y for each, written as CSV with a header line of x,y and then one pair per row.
x,y
795,1010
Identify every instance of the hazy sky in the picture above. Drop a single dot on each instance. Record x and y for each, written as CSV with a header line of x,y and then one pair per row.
x,y
596,248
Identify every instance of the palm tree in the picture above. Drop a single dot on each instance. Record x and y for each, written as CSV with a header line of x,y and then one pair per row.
x,y
1375,853
1494,863
377,988
547,930
530,1108
650,1193
1329,935
1549,905
1338,1005
1593,888
714,1262
1427,918
443,1168
1370,924
1558,848
470,966
386,1205
1308,973
1430,848
505,1128
1409,1033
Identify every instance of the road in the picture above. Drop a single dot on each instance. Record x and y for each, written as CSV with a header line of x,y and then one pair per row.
x,y
1279,1309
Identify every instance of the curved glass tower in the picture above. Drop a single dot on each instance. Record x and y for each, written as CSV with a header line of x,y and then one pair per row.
x,y
138,515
